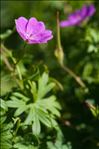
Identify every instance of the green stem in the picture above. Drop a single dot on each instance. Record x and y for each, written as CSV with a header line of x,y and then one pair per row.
x,y
77,78
58,33
7,63
59,51
18,69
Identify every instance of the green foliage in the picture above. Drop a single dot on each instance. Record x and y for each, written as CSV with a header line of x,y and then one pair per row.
x,y
91,73
6,84
91,69
3,107
94,109
21,146
58,142
6,34
92,36
5,133
40,108
95,112
5,129
23,143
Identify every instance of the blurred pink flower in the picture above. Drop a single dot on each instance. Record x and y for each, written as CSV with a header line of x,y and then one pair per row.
x,y
79,16
32,31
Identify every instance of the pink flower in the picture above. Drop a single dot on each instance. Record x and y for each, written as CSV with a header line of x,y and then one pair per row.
x,y
32,31
78,16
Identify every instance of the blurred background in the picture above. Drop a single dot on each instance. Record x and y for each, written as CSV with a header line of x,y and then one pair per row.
x,y
81,49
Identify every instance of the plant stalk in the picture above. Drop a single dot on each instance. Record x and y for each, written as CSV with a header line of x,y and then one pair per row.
x,y
60,52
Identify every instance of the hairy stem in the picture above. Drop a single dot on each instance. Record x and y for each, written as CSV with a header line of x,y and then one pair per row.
x,y
8,65
71,73
3,48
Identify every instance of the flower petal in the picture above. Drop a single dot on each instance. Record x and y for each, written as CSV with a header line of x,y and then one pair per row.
x,y
42,37
22,34
31,25
91,10
84,11
47,35
34,26
75,20
21,24
40,27
65,23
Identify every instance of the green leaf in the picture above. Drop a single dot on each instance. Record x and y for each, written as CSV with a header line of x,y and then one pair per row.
x,y
51,105
7,83
24,146
15,102
33,89
43,86
21,96
92,48
20,110
36,109
3,104
43,80
87,70
30,116
36,128
6,34
44,118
